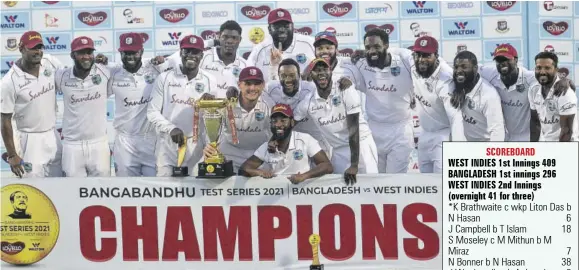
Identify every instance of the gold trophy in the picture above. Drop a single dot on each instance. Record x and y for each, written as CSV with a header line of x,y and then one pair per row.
x,y
213,113
181,171
315,242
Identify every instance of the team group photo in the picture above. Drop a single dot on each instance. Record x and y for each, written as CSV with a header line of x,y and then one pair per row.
x,y
296,104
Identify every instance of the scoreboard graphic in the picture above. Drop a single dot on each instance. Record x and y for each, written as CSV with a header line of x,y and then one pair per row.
x,y
458,25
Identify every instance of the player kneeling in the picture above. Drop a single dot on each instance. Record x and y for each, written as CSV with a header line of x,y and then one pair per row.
x,y
289,152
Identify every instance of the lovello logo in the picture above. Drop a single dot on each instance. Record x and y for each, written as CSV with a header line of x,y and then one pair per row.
x,y
461,30
389,28
304,31
174,39
92,19
419,8
501,5
50,2
209,34
555,29
337,10
12,248
174,16
550,5
255,13
11,22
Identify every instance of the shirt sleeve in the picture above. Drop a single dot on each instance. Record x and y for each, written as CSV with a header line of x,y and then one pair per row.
x,y
156,106
453,114
252,59
8,94
57,81
361,83
301,110
531,94
567,104
493,112
313,147
261,152
352,101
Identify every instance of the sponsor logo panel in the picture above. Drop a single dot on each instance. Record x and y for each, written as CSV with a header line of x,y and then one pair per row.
x,y
168,39
555,8
459,8
391,27
501,7
16,21
51,4
337,11
133,17
461,28
451,48
51,20
510,26
301,11
410,30
57,43
253,12
563,49
8,5
253,34
378,10
489,47
90,19
346,32
103,40
214,14
555,28
10,43
173,16
419,9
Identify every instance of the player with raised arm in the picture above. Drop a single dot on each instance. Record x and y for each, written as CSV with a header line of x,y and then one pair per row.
x,y
221,61
389,94
337,114
85,148
131,84
251,121
479,102
172,104
553,117
284,43
29,100
289,152
439,120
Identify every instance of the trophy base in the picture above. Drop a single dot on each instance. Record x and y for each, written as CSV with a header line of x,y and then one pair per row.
x,y
180,172
317,267
215,170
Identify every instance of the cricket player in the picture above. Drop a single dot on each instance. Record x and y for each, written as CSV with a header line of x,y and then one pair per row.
x,y
85,148
389,94
131,84
338,115
554,117
172,104
440,121
284,43
513,82
290,152
251,121
29,100
478,101
221,59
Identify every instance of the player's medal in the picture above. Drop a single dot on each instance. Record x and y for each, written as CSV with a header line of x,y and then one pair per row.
x,y
30,224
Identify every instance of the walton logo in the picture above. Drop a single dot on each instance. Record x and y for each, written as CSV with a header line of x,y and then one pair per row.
x,y
461,30
419,8
174,39
11,22
11,18
53,44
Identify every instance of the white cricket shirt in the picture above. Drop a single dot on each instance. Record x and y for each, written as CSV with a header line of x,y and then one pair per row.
x,y
482,114
173,98
85,103
132,96
514,100
302,50
388,91
302,148
274,95
227,75
433,99
330,114
551,108
253,127
30,100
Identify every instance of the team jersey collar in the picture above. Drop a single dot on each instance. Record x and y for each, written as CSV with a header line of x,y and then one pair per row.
x,y
180,73
430,80
513,87
236,62
21,72
476,89
290,49
93,71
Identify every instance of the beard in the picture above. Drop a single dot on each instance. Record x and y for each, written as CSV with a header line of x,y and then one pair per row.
x,y
376,62
328,84
132,62
466,82
545,79
83,65
427,72
282,134
288,38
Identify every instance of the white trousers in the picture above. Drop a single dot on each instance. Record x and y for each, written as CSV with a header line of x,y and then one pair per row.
x,y
395,143
430,150
90,158
367,162
43,150
134,155
167,155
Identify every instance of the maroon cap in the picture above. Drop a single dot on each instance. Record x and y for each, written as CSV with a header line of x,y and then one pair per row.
x,y
81,43
131,42
192,42
283,109
30,39
505,50
251,73
425,44
329,36
316,61
279,14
